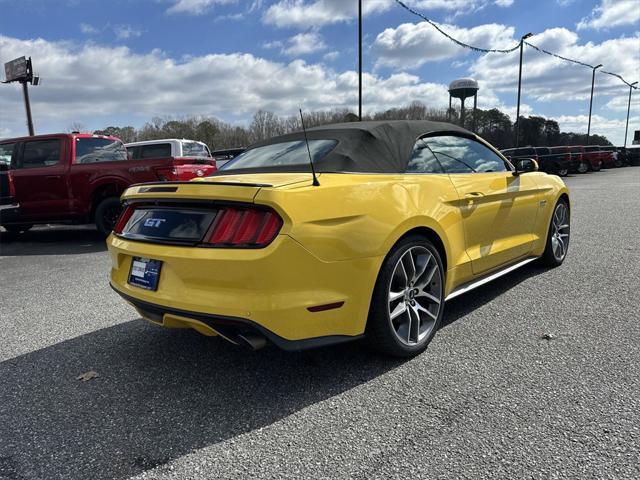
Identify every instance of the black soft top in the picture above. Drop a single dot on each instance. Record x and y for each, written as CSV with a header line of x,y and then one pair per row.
x,y
371,147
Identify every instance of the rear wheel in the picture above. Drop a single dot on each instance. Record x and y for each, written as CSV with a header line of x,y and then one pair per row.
x,y
18,228
408,299
558,236
583,167
107,214
561,171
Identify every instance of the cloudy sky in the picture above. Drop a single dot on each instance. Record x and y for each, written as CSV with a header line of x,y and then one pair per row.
x,y
124,63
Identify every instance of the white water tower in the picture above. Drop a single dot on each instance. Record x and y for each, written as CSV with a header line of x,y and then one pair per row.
x,y
462,89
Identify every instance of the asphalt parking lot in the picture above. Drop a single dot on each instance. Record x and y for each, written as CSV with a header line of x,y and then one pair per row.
x,y
533,376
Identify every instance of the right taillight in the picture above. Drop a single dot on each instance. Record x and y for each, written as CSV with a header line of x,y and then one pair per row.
x,y
167,174
243,227
124,218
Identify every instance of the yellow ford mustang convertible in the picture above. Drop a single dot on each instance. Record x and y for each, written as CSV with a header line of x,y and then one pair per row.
x,y
401,217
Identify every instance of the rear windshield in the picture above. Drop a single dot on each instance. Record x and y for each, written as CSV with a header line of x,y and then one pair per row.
x,y
195,149
92,150
281,154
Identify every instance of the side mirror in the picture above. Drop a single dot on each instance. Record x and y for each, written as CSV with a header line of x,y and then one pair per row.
x,y
525,165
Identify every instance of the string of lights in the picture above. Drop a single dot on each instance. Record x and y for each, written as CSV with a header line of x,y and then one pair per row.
x,y
498,50
455,40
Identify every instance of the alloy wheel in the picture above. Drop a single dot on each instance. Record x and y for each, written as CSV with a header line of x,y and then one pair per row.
x,y
583,167
415,295
560,231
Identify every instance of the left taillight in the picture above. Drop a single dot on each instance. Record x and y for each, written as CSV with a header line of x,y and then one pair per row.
x,y
243,227
124,218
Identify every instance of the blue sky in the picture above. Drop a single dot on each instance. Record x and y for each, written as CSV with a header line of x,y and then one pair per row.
x,y
123,62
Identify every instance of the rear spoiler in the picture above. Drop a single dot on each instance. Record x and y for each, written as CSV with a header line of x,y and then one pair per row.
x,y
181,182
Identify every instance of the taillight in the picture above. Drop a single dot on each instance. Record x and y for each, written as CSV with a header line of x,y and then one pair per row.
x,y
12,187
243,227
122,221
167,174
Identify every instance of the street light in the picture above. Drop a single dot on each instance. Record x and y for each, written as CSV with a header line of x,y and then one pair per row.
x,y
360,60
631,85
524,37
593,79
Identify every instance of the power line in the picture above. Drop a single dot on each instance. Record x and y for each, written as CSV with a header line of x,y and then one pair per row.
x,y
498,50
455,40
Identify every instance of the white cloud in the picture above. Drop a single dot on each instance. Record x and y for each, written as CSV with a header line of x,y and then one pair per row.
x,y
195,7
124,32
546,78
330,56
286,13
303,44
412,45
92,84
612,13
88,29
613,129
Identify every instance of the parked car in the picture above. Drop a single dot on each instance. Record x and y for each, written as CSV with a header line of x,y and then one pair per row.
x,y
390,228
632,155
593,156
569,162
585,161
547,161
68,178
610,157
183,159
223,156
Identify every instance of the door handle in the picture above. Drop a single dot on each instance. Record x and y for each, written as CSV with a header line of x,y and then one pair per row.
x,y
53,177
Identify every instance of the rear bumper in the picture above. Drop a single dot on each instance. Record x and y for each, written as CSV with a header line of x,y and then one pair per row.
x,y
231,327
268,291
9,213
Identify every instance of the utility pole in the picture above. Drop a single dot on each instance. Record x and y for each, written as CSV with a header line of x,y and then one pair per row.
x,y
626,129
524,37
360,60
593,81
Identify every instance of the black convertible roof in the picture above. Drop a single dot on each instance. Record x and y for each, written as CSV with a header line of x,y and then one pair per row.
x,y
374,146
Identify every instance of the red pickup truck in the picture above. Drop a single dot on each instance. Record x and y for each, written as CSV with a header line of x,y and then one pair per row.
x,y
69,178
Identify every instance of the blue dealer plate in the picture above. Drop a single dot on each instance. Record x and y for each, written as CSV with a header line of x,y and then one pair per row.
x,y
145,273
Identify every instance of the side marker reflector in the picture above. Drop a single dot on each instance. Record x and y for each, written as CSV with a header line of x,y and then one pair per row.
x,y
327,306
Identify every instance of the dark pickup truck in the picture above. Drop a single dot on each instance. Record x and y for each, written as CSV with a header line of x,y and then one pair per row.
x,y
68,178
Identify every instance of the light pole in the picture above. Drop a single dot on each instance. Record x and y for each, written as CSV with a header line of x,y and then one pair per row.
x,y
593,80
524,37
631,86
360,60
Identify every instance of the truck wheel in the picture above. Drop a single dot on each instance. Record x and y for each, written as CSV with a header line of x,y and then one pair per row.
x,y
17,228
107,214
561,172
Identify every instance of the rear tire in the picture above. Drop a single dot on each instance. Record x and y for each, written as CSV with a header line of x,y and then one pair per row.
x,y
583,167
408,299
558,235
18,228
561,172
107,214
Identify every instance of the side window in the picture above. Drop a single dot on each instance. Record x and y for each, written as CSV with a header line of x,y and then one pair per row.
x,y
422,160
94,150
463,155
159,150
40,153
134,152
6,153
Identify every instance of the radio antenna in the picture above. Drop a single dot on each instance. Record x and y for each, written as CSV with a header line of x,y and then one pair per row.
x,y
316,183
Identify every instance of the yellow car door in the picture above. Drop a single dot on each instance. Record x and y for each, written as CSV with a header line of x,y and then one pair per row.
x,y
498,208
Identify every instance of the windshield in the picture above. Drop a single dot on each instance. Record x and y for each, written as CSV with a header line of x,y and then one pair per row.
x,y
281,154
195,149
91,150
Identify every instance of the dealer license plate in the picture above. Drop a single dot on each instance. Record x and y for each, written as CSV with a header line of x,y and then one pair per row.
x,y
145,273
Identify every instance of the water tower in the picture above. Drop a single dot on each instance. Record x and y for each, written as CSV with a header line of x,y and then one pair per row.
x,y
462,89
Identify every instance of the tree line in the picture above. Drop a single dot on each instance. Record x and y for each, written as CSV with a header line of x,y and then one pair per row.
x,y
493,125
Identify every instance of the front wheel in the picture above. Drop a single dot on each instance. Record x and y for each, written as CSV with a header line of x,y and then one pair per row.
x,y
107,214
408,299
557,236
